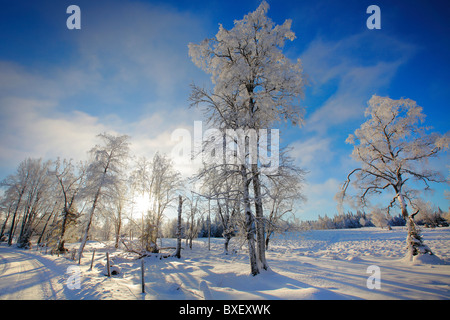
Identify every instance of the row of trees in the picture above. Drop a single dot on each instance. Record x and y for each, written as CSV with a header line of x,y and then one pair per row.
x,y
113,195
428,216
50,198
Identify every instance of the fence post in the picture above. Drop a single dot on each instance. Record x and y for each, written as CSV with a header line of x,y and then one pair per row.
x,y
142,276
107,265
92,260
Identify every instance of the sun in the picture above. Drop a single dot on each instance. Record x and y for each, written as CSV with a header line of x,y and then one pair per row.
x,y
141,204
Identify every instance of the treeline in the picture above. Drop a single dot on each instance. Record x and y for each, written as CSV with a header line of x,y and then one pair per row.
x,y
57,201
115,196
427,216
205,228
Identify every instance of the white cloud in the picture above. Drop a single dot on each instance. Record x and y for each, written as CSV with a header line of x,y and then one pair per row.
x,y
31,128
350,100
129,75
138,46
320,199
312,153
358,67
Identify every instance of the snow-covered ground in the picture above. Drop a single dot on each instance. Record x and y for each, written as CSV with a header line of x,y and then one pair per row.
x,y
323,264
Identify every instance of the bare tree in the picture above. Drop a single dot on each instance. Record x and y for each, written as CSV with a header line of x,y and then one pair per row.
x,y
118,216
33,198
7,205
393,150
255,87
284,189
221,186
158,181
193,216
379,218
107,162
140,180
115,206
70,183
16,185
53,207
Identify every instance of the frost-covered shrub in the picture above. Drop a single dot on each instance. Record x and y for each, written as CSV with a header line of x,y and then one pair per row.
x,y
429,215
379,218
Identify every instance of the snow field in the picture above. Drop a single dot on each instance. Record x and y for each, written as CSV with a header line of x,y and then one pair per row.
x,y
319,264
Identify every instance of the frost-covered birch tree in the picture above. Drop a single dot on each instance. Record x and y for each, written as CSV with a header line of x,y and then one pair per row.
x,y
17,184
255,86
108,160
116,210
222,187
29,195
194,213
70,182
158,181
34,198
393,150
284,190
7,204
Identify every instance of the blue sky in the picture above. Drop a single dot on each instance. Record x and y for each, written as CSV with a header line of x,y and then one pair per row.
x,y
128,71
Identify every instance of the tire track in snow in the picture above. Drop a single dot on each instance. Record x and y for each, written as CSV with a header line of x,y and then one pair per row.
x,y
24,277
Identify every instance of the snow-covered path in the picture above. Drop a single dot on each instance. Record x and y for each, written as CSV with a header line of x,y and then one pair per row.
x,y
26,276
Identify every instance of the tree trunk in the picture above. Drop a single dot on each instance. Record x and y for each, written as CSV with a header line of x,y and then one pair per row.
x,y
63,230
191,230
84,239
414,240
180,208
116,244
12,229
108,265
269,233
21,240
260,236
2,232
88,226
26,230
249,224
45,227
227,237
402,202
118,226
209,224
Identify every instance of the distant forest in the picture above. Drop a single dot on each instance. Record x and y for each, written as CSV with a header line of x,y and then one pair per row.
x,y
429,218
